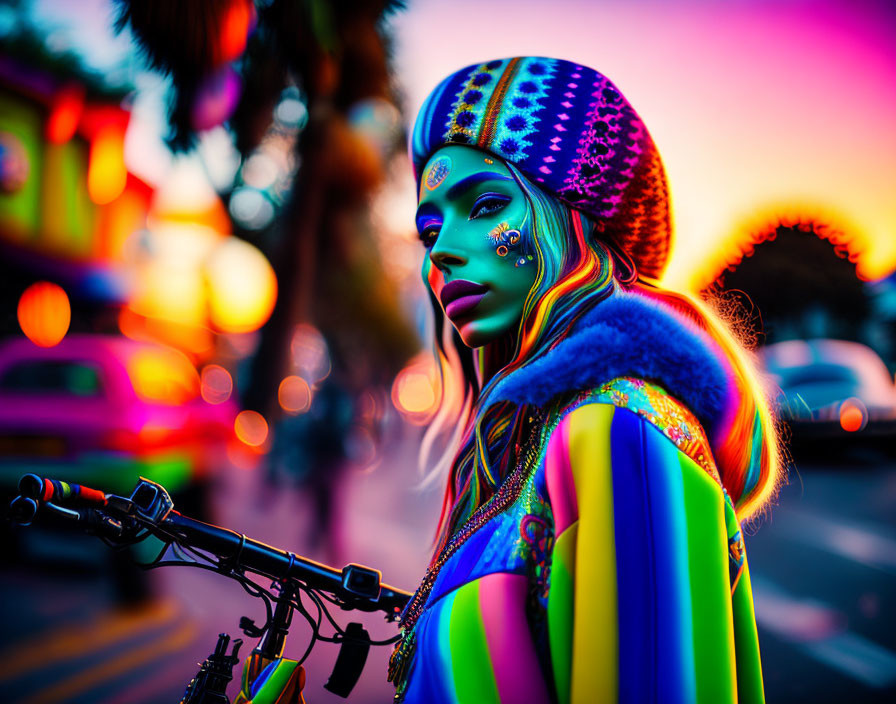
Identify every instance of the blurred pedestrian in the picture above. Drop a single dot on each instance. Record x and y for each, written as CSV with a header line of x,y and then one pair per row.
x,y
309,452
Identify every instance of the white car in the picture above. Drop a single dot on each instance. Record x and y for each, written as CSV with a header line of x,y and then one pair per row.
x,y
835,383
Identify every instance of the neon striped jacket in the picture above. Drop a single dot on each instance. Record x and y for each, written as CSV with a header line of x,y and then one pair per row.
x,y
617,575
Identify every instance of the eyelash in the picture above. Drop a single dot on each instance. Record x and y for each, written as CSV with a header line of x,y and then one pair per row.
x,y
486,204
480,207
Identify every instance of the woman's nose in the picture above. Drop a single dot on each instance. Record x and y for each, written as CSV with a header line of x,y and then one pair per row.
x,y
444,256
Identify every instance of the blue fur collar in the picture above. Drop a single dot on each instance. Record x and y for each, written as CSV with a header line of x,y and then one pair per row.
x,y
630,335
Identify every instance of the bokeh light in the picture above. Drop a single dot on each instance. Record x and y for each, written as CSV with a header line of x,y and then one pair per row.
x,y
235,29
294,395
106,174
216,99
242,287
251,428
310,353
65,112
163,375
291,112
251,208
216,384
853,415
260,170
44,313
415,390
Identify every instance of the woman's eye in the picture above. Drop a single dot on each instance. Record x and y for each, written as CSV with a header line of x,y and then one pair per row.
x,y
428,236
487,204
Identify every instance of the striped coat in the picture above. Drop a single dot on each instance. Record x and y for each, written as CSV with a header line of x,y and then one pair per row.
x,y
618,574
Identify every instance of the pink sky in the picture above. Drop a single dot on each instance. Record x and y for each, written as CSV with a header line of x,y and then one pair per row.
x,y
757,107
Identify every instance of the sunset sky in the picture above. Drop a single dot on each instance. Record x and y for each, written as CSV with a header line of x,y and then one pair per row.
x,y
758,108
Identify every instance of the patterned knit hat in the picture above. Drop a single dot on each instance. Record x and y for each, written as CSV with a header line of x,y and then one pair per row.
x,y
569,130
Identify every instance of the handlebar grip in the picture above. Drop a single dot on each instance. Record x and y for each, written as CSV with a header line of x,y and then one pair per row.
x,y
33,487
22,510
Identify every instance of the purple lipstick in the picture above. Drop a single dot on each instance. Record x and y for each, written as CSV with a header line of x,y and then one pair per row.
x,y
461,296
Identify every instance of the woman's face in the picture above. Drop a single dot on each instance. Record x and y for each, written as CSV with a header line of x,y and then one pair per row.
x,y
469,217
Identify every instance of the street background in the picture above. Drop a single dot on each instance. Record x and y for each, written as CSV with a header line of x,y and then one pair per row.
x,y
209,276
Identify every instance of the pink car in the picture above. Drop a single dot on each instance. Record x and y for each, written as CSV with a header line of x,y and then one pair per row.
x,y
102,410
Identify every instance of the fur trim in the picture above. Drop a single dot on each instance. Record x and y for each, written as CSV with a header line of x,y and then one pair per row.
x,y
630,335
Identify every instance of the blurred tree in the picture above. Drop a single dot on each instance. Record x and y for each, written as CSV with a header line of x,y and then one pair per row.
x,y
798,285
336,55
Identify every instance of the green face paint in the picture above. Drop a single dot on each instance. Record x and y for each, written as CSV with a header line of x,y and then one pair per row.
x,y
470,214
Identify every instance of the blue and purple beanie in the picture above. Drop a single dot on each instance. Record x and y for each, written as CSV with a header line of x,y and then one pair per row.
x,y
567,129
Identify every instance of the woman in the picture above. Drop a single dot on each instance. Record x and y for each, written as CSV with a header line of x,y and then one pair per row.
x,y
612,434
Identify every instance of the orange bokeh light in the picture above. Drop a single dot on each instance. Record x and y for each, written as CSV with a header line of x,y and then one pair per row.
x,y
853,415
44,313
241,286
106,174
163,375
235,30
251,428
294,395
216,383
65,113
415,391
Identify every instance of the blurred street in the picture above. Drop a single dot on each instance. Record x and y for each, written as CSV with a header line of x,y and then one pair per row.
x,y
210,278
823,569
824,585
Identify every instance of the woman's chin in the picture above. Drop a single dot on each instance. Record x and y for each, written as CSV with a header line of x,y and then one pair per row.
x,y
477,333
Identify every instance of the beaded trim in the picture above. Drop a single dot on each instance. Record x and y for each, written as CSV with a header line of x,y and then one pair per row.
x,y
507,494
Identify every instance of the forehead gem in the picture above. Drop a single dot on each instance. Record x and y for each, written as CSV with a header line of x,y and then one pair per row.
x,y
438,172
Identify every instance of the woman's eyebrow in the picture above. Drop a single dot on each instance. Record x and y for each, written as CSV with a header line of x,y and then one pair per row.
x,y
465,183
460,187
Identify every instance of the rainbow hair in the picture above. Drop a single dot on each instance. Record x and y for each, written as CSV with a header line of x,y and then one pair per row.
x,y
575,271
746,449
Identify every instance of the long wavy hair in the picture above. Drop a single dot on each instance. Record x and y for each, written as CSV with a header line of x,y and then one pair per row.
x,y
576,270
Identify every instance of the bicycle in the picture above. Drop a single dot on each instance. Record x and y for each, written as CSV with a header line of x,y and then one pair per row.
x,y
268,677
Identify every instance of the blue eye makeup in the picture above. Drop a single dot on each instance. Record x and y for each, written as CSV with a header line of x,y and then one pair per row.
x,y
488,203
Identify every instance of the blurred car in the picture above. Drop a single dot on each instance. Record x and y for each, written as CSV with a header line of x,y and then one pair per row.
x,y
831,389
104,410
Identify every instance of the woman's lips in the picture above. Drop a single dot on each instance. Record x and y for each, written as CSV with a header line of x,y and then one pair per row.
x,y
462,305
461,296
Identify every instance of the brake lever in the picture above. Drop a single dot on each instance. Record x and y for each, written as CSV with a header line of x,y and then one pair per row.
x,y
98,523
64,512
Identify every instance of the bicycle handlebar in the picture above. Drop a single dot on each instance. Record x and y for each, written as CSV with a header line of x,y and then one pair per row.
x,y
110,516
353,584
